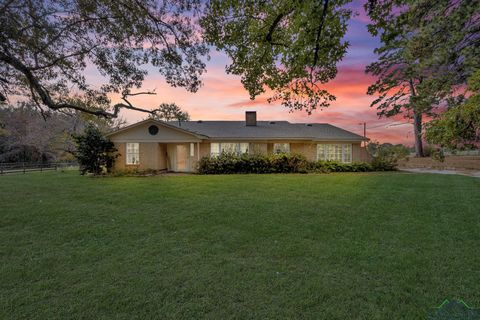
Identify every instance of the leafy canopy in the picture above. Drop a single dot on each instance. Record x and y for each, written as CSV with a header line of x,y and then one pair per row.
x,y
47,46
289,47
459,126
428,50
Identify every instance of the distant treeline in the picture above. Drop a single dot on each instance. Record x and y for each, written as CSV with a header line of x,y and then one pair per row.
x,y
26,135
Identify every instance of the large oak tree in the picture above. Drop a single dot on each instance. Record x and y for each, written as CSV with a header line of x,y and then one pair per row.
x,y
47,46
289,46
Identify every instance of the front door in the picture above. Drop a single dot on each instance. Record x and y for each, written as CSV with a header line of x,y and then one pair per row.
x,y
182,157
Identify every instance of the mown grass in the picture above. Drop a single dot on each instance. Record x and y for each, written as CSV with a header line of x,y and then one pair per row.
x,y
337,246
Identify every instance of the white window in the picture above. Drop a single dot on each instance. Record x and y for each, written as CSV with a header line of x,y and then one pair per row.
x,y
192,149
214,149
334,152
133,153
228,147
347,153
281,148
243,147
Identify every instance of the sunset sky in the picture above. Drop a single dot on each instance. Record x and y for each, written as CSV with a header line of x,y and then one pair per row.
x,y
222,96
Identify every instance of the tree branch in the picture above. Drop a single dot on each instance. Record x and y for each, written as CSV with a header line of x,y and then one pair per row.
x,y
319,32
272,28
47,100
58,59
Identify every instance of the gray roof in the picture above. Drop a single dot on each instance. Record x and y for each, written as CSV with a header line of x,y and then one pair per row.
x,y
268,130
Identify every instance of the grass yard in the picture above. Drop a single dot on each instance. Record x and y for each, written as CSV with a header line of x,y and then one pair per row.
x,y
337,246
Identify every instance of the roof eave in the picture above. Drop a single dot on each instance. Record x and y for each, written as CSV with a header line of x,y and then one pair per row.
x,y
315,139
162,123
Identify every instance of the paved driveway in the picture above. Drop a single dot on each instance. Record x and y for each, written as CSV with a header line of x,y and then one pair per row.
x,y
471,173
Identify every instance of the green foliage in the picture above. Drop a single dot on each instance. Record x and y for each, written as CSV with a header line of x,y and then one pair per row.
x,y
228,163
386,156
29,137
290,47
135,172
24,153
459,126
95,153
46,47
428,50
399,150
322,166
288,163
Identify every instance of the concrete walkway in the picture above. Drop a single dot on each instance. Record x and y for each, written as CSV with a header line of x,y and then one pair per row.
x,y
470,173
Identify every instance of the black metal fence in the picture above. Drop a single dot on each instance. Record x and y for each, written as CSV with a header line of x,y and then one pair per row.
x,y
24,167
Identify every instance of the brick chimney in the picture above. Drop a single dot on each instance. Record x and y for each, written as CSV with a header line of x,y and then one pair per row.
x,y
250,118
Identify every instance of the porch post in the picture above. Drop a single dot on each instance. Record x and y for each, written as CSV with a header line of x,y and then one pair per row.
x,y
198,151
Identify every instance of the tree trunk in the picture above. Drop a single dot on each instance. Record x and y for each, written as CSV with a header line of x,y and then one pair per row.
x,y
417,123
417,128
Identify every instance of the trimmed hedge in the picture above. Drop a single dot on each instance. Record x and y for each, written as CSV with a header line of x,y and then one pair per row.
x,y
228,163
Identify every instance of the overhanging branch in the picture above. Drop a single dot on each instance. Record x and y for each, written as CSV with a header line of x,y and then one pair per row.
x,y
319,32
46,99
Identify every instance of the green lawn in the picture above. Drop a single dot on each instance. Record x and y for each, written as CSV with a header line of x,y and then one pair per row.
x,y
337,246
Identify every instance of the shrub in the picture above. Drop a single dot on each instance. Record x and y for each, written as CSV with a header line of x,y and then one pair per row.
x,y
135,172
224,163
384,164
288,163
95,153
361,167
256,163
322,166
386,156
277,163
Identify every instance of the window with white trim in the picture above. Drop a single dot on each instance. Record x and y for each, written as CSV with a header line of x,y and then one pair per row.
x,y
215,149
192,149
243,147
133,153
281,148
335,152
347,153
228,147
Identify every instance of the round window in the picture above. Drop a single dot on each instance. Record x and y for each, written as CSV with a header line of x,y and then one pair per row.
x,y
153,130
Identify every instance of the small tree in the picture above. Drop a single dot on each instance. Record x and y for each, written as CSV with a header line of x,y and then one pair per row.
x,y
94,152
169,112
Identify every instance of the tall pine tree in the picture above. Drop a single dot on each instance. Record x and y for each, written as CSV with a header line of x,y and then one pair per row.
x,y
429,49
